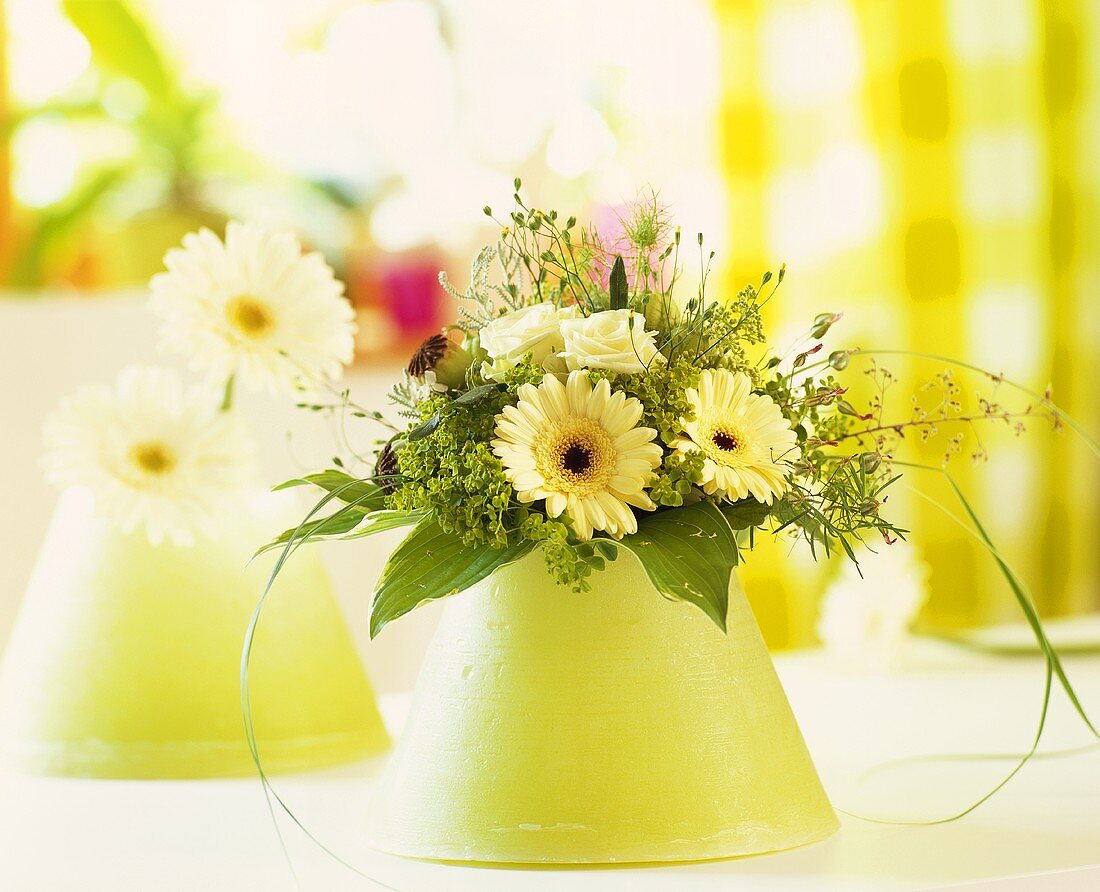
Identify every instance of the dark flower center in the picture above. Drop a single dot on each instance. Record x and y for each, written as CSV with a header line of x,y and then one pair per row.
x,y
576,459
727,442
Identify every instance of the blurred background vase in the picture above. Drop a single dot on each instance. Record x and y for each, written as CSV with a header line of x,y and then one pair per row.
x,y
610,726
125,658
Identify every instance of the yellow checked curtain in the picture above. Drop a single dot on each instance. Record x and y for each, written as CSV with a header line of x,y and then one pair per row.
x,y
931,168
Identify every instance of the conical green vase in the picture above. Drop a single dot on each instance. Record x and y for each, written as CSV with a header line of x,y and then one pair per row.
x,y
612,726
125,658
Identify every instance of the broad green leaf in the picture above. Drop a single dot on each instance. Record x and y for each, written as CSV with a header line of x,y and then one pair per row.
x,y
431,564
617,285
745,513
688,554
366,495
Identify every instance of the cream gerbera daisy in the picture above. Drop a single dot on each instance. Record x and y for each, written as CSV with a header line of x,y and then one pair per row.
x,y
747,442
254,305
152,453
577,446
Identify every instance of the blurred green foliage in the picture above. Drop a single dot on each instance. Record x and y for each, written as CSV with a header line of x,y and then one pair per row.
x,y
170,125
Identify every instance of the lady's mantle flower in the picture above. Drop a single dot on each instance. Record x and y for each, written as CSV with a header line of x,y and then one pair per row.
x,y
254,305
747,442
577,447
613,339
533,331
152,453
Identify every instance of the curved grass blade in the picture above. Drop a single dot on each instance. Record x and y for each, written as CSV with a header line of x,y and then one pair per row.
x,y
380,521
1024,759
270,795
1052,665
1023,598
367,494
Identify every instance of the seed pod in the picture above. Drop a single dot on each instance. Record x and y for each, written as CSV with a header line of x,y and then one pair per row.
x,y
822,323
441,355
386,470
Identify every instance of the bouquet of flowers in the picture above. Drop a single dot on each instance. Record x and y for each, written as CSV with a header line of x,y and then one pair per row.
x,y
582,406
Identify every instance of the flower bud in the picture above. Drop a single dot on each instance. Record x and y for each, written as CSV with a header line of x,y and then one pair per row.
x,y
441,358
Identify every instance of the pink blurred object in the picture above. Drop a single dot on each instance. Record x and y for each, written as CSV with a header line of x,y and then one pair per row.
x,y
410,293
397,298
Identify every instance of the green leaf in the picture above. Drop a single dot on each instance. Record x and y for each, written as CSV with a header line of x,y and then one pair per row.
x,y
688,554
121,43
425,429
745,513
366,495
380,521
475,395
617,285
344,520
431,564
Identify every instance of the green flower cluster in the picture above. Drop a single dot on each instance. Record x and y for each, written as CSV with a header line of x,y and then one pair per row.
x,y
679,472
663,394
570,563
455,474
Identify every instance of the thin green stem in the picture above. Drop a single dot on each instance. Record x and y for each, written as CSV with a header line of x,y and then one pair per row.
x,y
1062,416
227,396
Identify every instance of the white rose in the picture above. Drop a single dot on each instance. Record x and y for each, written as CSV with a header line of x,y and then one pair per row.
x,y
534,330
614,339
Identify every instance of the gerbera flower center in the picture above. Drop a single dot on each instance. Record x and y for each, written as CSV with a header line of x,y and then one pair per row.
x,y
250,316
575,455
576,460
726,441
154,458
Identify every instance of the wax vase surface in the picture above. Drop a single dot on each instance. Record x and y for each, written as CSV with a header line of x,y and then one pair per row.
x,y
610,726
125,658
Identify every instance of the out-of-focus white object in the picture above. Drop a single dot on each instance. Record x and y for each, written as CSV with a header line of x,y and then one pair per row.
x,y
865,619
254,306
154,454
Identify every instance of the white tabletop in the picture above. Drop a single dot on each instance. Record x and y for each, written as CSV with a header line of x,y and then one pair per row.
x,y
1041,832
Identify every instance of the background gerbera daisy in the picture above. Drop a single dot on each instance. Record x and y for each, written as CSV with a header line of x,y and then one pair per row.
x,y
577,447
255,306
152,453
747,442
